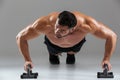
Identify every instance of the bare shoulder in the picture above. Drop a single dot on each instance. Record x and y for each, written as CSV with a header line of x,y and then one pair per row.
x,y
87,23
85,17
45,20
98,29
53,17
41,24
81,22
91,25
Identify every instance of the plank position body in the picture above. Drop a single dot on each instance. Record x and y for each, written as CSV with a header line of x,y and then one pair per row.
x,y
65,32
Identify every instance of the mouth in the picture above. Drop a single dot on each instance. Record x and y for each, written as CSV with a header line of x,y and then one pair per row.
x,y
58,36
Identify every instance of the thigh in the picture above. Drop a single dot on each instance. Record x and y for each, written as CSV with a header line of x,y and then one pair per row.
x,y
52,50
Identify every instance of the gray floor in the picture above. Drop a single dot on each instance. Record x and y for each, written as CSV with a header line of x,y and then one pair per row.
x,y
84,69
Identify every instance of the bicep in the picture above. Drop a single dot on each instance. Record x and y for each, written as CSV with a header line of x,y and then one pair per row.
x,y
98,29
103,32
34,30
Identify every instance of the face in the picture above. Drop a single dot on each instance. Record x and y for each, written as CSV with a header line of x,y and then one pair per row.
x,y
61,31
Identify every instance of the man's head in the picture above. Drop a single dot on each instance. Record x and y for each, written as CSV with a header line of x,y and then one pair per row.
x,y
65,24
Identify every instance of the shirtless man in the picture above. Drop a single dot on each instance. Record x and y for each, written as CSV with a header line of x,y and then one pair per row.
x,y
65,32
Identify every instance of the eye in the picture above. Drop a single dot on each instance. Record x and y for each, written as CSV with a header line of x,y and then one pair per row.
x,y
62,31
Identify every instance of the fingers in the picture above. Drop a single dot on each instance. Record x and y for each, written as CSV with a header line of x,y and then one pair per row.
x,y
108,63
26,64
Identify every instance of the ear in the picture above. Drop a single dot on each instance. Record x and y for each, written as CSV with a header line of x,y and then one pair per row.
x,y
72,29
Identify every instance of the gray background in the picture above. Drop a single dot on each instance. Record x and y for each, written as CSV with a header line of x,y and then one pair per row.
x,y
17,14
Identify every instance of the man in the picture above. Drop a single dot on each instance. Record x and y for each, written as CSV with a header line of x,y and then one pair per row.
x,y
65,32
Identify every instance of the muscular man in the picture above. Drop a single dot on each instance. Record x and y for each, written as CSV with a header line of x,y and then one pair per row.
x,y
65,32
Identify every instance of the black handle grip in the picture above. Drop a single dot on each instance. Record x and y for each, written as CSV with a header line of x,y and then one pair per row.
x,y
29,66
29,71
105,66
105,71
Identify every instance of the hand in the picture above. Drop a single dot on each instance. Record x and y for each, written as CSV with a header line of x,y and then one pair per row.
x,y
108,63
26,64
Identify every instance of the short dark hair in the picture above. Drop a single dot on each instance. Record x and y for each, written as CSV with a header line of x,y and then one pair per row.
x,y
67,18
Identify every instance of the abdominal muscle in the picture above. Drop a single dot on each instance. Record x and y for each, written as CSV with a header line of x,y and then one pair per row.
x,y
67,41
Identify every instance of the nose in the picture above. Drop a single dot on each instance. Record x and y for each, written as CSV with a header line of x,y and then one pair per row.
x,y
57,31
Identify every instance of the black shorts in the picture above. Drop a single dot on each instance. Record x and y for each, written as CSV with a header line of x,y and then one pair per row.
x,y
54,49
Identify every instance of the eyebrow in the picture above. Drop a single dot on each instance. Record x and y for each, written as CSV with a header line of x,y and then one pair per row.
x,y
62,30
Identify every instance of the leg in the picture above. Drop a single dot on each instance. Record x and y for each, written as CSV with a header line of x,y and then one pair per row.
x,y
52,49
72,51
54,58
70,57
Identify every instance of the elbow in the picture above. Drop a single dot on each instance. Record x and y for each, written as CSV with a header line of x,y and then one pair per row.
x,y
19,38
114,36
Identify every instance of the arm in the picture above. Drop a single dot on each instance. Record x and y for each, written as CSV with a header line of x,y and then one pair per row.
x,y
104,32
30,32
22,37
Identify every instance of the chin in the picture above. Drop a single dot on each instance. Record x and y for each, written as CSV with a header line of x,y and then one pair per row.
x,y
58,36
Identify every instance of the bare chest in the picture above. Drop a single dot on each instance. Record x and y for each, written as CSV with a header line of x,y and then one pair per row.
x,y
67,41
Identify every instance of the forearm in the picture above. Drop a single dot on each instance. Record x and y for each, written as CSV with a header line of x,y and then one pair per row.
x,y
110,46
23,47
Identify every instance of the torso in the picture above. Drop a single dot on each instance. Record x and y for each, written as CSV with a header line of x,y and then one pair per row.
x,y
69,40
